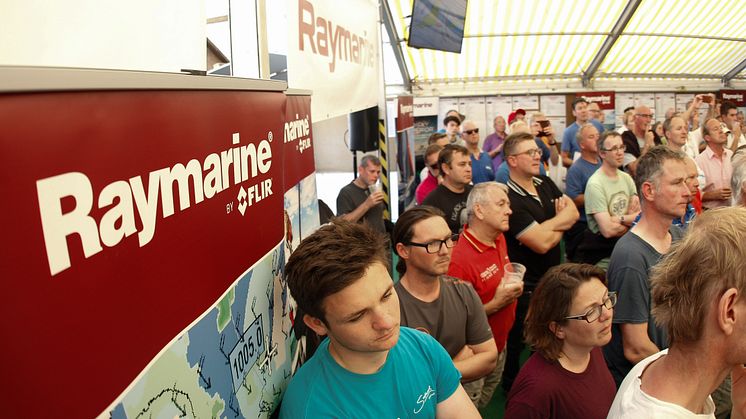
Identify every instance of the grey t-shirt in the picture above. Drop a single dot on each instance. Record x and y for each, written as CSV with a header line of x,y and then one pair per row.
x,y
350,197
455,319
628,275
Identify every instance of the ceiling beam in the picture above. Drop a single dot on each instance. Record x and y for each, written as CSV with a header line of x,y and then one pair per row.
x,y
655,34
733,73
619,26
388,22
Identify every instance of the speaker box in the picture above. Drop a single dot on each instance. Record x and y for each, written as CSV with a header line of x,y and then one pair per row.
x,y
364,130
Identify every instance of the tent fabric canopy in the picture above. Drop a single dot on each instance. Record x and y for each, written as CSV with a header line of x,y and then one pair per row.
x,y
584,40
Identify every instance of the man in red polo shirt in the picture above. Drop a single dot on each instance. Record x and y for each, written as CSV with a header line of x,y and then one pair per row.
x,y
479,257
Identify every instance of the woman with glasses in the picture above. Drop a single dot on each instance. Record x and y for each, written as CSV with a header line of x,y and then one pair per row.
x,y
568,321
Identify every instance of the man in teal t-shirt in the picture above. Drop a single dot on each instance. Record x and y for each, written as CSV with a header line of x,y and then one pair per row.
x,y
369,367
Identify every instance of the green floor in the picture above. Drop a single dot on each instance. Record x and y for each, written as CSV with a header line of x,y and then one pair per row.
x,y
496,408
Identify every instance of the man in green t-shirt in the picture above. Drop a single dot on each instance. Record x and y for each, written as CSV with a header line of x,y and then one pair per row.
x,y
611,201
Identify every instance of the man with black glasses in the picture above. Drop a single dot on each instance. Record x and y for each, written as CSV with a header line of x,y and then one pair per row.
x,y
541,214
441,306
481,163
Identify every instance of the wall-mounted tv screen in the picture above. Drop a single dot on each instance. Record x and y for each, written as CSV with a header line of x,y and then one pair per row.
x,y
437,24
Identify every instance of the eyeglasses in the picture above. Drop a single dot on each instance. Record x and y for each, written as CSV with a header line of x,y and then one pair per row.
x,y
595,312
645,115
433,166
435,245
471,131
531,153
615,148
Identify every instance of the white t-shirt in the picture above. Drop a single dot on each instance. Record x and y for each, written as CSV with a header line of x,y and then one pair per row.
x,y
631,402
694,140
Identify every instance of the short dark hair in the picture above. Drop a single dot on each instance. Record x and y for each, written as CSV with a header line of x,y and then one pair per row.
x,y
551,302
669,121
602,139
512,141
404,228
450,118
726,106
706,262
432,149
435,137
446,154
331,259
705,130
650,166
578,100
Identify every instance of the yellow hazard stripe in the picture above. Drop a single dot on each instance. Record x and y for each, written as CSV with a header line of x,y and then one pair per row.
x,y
384,168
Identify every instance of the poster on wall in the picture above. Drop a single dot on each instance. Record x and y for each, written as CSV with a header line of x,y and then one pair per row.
x,y
623,101
498,105
406,154
425,125
527,102
335,54
664,102
645,99
474,109
554,105
738,97
148,249
446,104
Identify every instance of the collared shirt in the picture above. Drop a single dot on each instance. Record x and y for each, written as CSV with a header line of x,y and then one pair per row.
x,y
718,172
490,143
528,210
483,266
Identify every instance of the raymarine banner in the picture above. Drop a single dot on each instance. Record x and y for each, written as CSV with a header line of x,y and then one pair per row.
x,y
142,270
334,51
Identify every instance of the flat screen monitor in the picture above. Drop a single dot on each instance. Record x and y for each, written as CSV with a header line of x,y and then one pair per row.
x,y
437,24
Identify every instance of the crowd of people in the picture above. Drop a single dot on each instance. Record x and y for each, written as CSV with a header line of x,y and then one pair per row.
x,y
630,289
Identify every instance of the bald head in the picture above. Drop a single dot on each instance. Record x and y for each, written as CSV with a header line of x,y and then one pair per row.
x,y
643,119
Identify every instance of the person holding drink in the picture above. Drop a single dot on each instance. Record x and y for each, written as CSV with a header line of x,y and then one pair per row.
x,y
481,258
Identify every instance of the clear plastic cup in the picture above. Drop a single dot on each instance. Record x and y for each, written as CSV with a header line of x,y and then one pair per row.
x,y
513,273
373,188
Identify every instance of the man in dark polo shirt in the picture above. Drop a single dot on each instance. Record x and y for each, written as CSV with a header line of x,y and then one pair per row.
x,y
541,214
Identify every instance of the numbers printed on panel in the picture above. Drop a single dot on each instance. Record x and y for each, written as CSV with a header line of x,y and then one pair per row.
x,y
246,352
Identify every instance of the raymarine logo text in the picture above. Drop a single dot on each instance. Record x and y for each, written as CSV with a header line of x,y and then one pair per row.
x,y
127,202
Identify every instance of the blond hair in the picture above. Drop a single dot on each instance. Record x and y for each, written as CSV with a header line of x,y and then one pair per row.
x,y
710,259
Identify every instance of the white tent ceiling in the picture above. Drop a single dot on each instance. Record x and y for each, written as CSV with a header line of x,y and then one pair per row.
x,y
582,44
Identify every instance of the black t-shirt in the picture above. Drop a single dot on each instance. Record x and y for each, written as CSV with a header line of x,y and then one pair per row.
x,y
451,203
527,210
632,146
352,196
